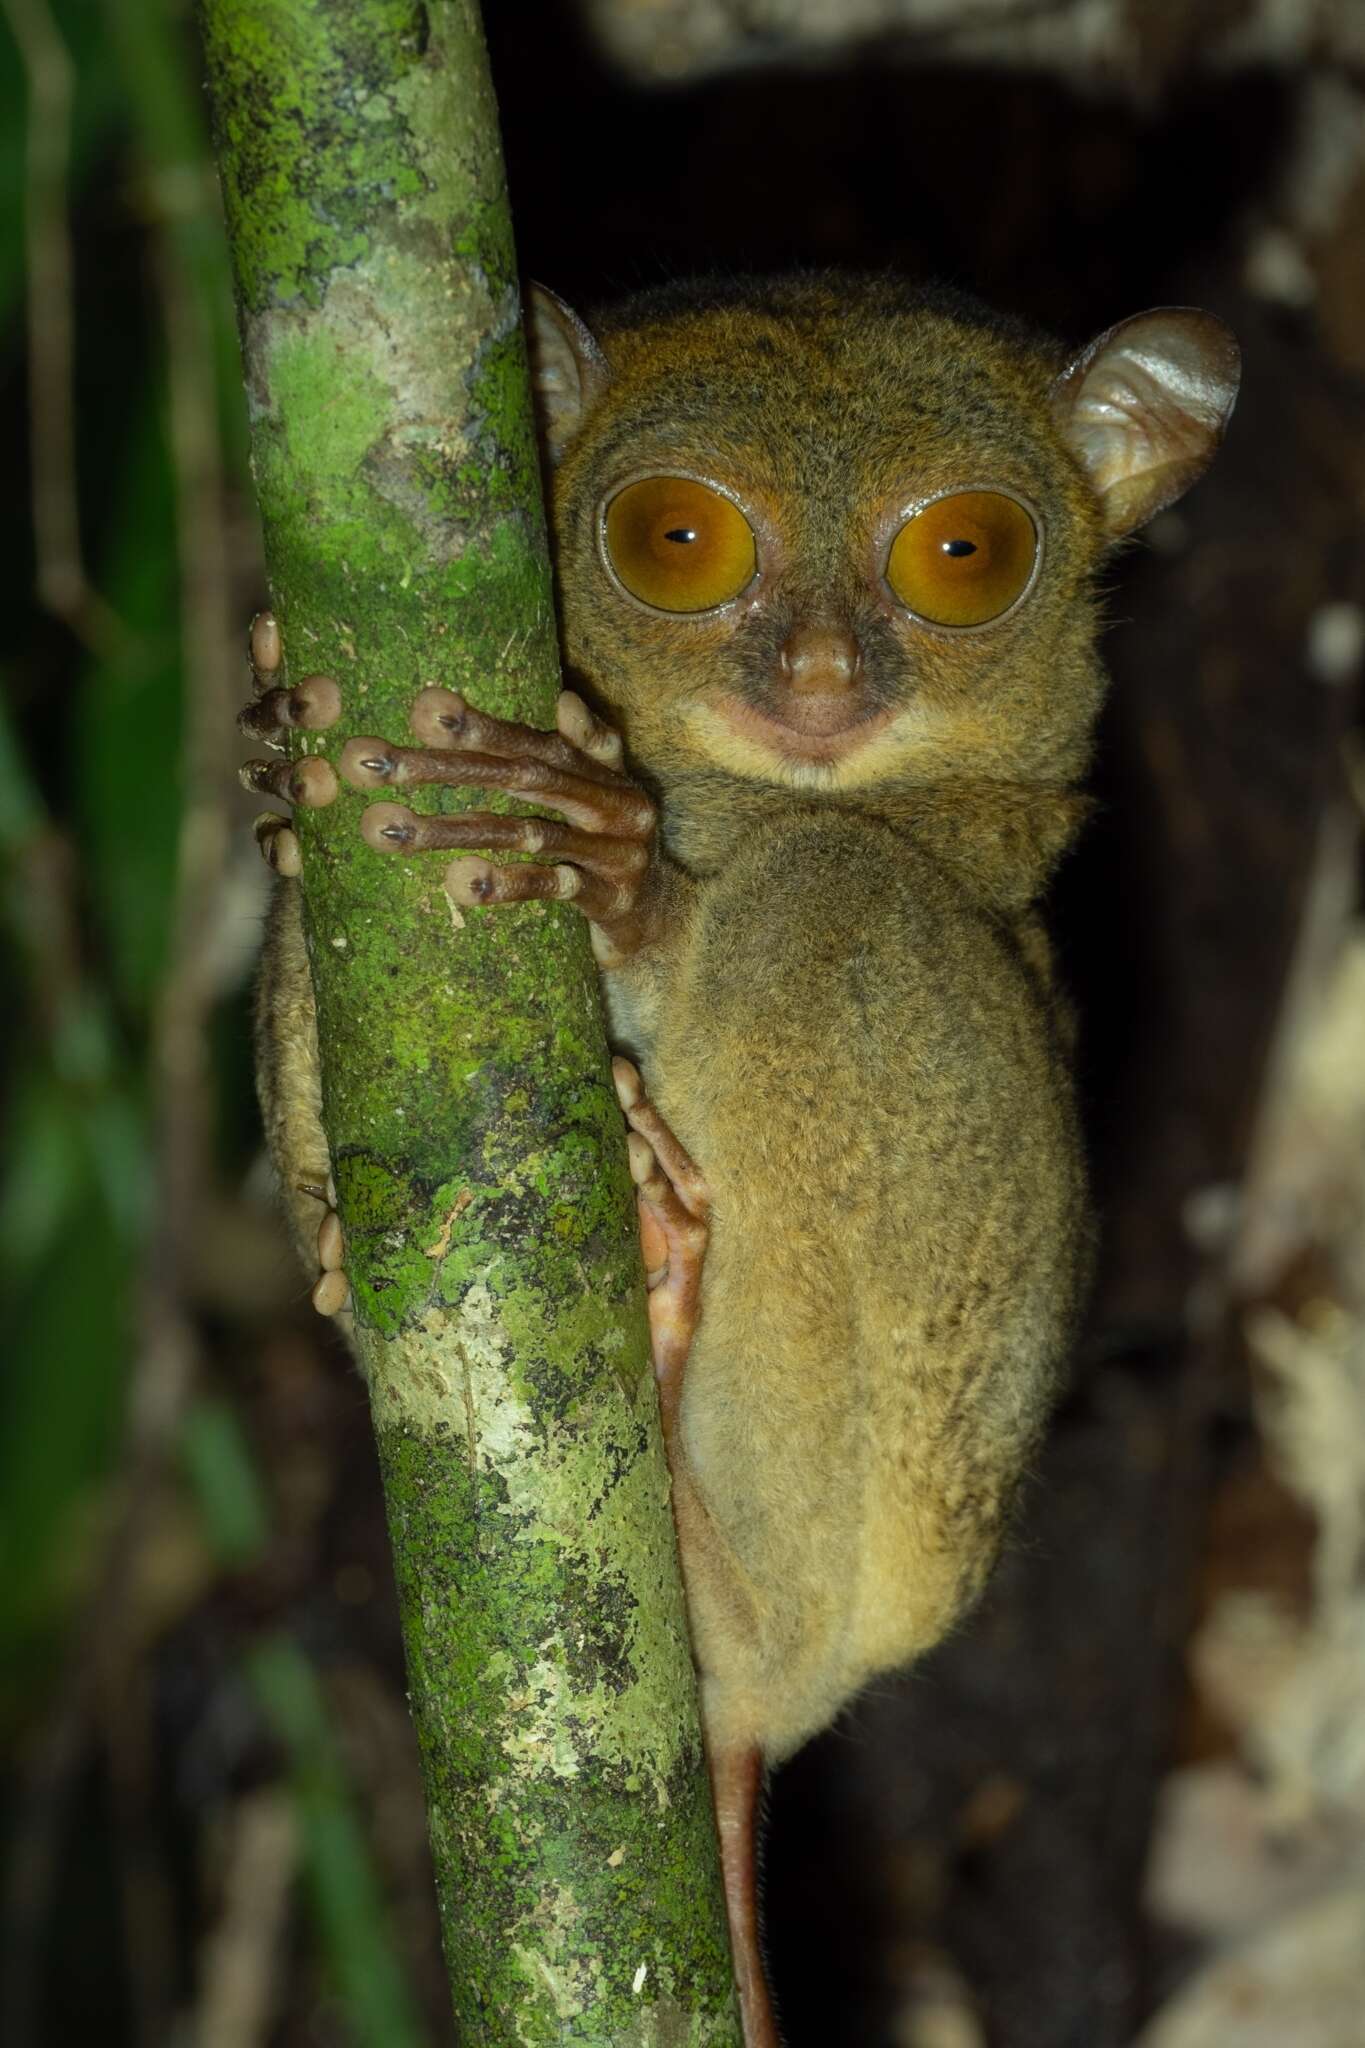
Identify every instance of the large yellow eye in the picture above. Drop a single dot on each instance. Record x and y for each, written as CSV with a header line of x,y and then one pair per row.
x,y
964,559
678,546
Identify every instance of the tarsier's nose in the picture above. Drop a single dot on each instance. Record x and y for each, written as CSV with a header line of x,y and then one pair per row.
x,y
822,659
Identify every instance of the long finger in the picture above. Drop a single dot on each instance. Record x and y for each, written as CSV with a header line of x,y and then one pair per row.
x,y
392,828
479,884
598,806
446,721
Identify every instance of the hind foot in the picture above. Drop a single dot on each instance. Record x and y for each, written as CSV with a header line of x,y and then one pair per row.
x,y
675,1207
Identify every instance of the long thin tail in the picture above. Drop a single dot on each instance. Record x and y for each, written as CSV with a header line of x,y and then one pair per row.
x,y
736,1780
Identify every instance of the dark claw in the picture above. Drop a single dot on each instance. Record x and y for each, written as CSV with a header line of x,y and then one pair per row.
x,y
368,763
388,828
438,714
472,881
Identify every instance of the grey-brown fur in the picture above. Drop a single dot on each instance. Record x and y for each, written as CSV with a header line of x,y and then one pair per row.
x,y
845,1006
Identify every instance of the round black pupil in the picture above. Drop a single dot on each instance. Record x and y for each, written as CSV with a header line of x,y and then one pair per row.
x,y
959,547
681,533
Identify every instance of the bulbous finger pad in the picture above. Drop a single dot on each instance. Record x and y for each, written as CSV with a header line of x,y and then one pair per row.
x,y
389,828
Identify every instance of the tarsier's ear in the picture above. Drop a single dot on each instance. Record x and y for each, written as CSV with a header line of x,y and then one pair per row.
x,y
1145,406
568,369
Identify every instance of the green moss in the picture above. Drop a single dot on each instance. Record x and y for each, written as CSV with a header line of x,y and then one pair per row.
x,y
484,243
311,156
375,1197
557,1834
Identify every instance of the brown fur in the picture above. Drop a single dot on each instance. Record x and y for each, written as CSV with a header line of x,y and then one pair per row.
x,y
850,1020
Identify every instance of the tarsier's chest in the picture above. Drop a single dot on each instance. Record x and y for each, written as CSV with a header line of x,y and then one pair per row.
x,y
843,1027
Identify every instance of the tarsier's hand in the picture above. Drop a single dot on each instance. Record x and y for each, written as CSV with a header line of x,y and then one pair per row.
x,y
603,859
603,854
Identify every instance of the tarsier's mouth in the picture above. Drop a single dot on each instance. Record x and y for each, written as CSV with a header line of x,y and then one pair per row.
x,y
815,726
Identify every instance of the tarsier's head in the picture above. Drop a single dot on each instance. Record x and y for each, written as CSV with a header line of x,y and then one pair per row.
x,y
832,533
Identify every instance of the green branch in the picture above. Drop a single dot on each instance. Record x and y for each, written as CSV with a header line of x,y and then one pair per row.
x,y
474,1136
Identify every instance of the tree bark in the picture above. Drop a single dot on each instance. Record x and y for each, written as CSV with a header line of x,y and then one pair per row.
x,y
475,1139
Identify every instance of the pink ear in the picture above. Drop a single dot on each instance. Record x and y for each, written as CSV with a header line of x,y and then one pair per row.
x,y
1144,408
568,369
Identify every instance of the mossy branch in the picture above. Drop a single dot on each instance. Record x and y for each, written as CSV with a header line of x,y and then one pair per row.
x,y
474,1135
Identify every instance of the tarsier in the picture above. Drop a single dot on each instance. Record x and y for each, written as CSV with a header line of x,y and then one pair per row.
x,y
826,551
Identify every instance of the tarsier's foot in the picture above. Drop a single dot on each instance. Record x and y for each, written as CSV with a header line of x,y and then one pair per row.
x,y
675,1205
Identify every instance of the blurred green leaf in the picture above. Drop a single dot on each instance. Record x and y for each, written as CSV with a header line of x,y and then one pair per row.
x,y
150,42
227,1490
48,1174
73,1204
95,111
129,724
69,1148
21,807
78,1085
343,1883
118,1136
67,1344
344,1886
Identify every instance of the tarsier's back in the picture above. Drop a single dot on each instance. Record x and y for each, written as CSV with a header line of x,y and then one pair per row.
x,y
826,551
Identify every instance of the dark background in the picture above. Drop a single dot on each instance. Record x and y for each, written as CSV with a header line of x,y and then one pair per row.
x,y
203,1703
